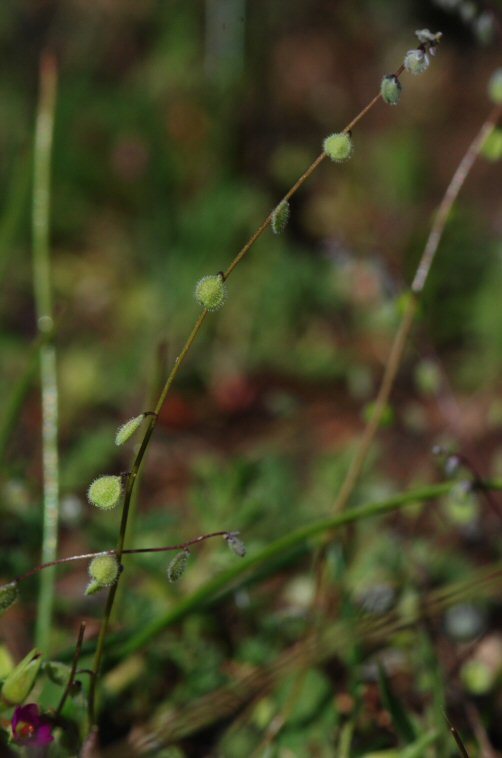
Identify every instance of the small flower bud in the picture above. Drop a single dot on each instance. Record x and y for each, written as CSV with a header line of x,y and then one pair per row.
x,y
495,86
178,565
18,684
338,146
426,37
280,217
104,570
210,292
235,544
416,62
105,492
390,89
8,595
126,431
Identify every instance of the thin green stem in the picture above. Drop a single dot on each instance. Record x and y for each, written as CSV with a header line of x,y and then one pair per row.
x,y
44,129
153,420
127,504
73,670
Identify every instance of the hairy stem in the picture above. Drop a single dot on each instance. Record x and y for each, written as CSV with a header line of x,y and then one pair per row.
x,y
44,129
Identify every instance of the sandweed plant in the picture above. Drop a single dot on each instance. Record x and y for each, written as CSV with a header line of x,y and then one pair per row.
x,y
72,722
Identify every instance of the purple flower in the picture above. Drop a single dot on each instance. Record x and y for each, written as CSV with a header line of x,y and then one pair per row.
x,y
29,727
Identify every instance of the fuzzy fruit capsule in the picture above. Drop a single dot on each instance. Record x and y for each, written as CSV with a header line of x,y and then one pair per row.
x,y
338,146
210,292
126,431
416,62
390,89
177,566
280,217
104,569
105,492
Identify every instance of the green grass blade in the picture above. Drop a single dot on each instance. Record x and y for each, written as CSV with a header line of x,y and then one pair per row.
x,y
400,718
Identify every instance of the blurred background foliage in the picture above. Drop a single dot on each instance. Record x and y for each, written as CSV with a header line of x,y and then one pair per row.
x,y
179,125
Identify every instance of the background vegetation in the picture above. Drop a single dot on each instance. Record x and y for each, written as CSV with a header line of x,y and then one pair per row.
x,y
178,126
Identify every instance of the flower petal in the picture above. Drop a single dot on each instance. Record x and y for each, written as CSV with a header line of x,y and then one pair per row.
x,y
43,735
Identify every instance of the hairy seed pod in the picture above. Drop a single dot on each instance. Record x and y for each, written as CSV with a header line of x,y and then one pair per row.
x,y
9,593
105,492
177,566
416,62
104,569
235,544
126,431
210,292
390,89
338,146
280,217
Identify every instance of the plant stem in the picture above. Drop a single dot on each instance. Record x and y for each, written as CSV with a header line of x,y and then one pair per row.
x,y
73,671
153,420
129,551
44,129
419,281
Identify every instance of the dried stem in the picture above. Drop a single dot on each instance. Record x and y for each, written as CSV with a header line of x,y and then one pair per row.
x,y
422,273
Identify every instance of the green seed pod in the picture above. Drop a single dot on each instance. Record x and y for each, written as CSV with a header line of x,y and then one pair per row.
x,y
104,569
338,146
495,86
390,89
9,593
416,62
20,681
210,292
280,217
178,565
235,544
126,431
105,492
